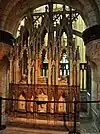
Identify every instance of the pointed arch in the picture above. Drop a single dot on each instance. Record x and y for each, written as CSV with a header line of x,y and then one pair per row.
x,y
42,107
44,63
21,103
62,106
43,32
25,61
64,64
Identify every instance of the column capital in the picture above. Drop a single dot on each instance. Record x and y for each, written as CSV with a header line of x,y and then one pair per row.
x,y
6,37
6,41
93,51
91,33
91,37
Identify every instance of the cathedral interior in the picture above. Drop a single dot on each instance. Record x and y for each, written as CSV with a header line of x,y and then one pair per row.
x,y
50,62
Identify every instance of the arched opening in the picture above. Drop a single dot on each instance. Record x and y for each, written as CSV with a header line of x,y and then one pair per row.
x,y
64,65
53,43
53,51
44,64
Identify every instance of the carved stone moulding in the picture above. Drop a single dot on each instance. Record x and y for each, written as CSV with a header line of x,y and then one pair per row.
x,y
91,33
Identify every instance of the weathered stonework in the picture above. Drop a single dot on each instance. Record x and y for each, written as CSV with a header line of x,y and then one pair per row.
x,y
5,46
93,57
93,51
91,37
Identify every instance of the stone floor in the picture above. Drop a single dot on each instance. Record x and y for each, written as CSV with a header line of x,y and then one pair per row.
x,y
86,127
17,130
29,126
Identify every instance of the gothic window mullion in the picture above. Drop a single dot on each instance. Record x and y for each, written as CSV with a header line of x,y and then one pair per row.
x,y
64,65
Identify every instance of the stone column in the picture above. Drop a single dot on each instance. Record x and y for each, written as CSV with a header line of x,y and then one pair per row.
x,y
71,81
33,72
17,71
11,70
57,67
49,70
93,57
11,66
36,70
6,41
71,68
78,73
29,71
91,37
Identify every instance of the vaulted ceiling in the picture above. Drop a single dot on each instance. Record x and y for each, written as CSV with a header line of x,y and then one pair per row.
x,y
11,11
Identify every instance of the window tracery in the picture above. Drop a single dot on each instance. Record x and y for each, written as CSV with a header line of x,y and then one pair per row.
x,y
44,64
64,65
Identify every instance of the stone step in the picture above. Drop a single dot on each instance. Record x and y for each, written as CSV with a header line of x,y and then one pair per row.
x,y
18,130
40,124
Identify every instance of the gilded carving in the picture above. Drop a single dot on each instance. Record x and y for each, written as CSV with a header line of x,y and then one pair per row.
x,y
46,69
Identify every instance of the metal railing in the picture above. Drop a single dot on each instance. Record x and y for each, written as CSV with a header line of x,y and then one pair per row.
x,y
74,114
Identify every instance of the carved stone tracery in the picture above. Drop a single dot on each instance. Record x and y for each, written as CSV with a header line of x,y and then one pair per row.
x,y
31,40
